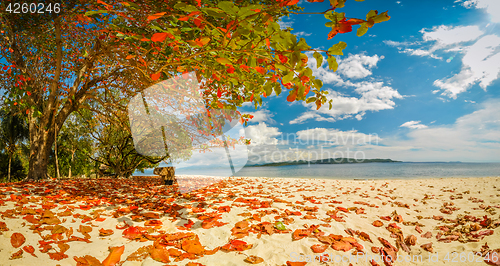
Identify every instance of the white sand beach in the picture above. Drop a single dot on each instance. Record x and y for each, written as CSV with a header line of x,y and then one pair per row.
x,y
274,221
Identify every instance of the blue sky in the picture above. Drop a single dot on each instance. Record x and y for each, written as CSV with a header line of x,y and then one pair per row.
x,y
423,86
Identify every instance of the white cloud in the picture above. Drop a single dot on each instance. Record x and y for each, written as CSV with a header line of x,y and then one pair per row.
x,y
492,7
263,115
413,125
481,64
352,67
285,24
480,61
357,66
261,134
302,33
374,97
445,35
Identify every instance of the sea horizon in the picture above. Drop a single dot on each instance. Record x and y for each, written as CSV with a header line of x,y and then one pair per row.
x,y
374,170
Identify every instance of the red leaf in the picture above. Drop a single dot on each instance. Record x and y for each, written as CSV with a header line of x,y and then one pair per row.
x,y
156,16
132,233
161,36
292,96
261,70
155,76
292,2
17,240
113,257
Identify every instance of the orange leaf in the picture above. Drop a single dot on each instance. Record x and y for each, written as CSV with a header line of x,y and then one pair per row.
x,y
341,245
87,261
104,232
202,41
378,223
193,246
17,240
292,2
254,259
156,16
113,257
296,263
160,254
318,248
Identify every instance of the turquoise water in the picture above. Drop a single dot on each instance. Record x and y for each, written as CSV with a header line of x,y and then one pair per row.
x,y
362,170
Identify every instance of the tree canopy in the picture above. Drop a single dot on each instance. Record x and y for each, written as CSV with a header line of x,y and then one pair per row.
x,y
237,50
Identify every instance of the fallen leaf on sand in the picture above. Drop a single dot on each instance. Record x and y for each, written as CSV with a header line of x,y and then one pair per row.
x,y
254,259
17,239
427,247
319,248
193,246
114,256
341,245
105,232
378,223
411,240
160,254
298,263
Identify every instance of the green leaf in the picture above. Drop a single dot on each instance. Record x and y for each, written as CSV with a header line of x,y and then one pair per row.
x,y
319,59
332,63
185,7
336,49
370,14
277,89
311,99
280,226
318,83
268,88
228,7
382,17
223,61
362,29
288,78
90,13
280,67
301,91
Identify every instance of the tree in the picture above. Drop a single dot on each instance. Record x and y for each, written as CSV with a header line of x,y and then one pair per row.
x,y
13,130
237,49
75,142
51,71
114,146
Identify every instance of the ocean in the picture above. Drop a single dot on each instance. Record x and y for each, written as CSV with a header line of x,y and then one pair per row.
x,y
402,170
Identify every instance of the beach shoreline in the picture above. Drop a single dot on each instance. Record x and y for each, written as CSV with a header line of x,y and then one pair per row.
x,y
279,220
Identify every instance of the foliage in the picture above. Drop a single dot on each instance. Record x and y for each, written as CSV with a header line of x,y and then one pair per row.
x,y
238,51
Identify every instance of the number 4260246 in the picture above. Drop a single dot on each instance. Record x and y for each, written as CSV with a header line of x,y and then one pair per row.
x,y
33,8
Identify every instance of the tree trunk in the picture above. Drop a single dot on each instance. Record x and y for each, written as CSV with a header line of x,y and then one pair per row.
x,y
10,160
40,146
57,160
71,163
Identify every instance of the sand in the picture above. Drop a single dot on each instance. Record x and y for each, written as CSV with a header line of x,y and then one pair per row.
x,y
466,207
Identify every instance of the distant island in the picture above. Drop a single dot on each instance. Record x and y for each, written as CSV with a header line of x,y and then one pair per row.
x,y
327,161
